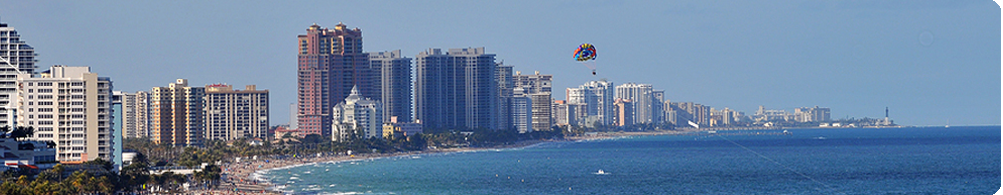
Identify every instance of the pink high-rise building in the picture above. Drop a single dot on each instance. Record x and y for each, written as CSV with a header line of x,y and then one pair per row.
x,y
331,62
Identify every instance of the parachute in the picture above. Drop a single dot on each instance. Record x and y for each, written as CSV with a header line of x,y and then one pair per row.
x,y
584,53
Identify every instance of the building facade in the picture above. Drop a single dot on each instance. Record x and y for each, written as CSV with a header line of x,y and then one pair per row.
x,y
624,112
394,82
177,114
538,88
503,75
456,89
559,111
16,57
597,96
641,97
330,63
522,111
134,114
72,107
811,114
235,114
356,116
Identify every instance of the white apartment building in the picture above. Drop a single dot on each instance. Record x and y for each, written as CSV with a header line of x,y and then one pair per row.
x,y
357,115
70,106
642,101
16,57
597,96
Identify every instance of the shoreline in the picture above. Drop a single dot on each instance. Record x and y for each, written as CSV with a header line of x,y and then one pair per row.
x,y
246,177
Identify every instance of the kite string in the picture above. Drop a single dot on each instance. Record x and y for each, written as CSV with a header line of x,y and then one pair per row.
x,y
775,162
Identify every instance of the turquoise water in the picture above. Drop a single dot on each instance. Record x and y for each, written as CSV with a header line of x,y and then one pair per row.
x,y
956,160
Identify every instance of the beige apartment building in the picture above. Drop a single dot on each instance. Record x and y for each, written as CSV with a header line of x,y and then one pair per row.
x,y
70,106
177,114
234,114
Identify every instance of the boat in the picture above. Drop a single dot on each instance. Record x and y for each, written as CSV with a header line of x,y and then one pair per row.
x,y
601,172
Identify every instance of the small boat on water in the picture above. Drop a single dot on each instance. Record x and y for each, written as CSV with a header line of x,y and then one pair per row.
x,y
601,172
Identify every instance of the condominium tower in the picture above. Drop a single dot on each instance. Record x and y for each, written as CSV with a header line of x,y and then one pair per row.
x,y
16,57
134,114
177,115
331,63
506,98
641,98
456,89
395,83
70,106
233,114
597,98
538,88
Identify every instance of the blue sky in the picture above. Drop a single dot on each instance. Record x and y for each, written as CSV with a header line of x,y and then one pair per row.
x,y
928,61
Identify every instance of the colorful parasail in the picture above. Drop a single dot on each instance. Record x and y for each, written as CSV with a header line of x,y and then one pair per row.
x,y
585,52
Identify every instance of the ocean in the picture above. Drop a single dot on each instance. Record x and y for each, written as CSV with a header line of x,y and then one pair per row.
x,y
934,160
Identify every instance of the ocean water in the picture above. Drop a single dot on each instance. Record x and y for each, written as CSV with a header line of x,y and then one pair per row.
x,y
956,160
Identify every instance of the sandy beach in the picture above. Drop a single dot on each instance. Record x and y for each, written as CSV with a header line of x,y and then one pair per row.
x,y
244,177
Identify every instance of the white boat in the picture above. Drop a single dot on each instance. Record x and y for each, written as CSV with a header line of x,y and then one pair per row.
x,y
601,172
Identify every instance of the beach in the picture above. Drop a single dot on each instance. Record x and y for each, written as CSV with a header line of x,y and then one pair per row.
x,y
244,176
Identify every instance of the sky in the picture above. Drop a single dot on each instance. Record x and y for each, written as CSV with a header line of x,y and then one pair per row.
x,y
929,62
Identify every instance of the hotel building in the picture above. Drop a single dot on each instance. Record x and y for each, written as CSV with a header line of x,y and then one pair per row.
x,y
356,116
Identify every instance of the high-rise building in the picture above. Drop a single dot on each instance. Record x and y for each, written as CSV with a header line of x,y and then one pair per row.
x,y
72,107
541,111
142,120
642,98
683,112
560,112
16,57
177,115
134,114
809,114
117,119
538,87
624,116
522,111
234,114
357,116
658,106
293,123
456,89
534,83
597,96
505,94
331,63
394,82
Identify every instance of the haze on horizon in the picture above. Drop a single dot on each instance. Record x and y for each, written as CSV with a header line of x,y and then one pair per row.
x,y
930,62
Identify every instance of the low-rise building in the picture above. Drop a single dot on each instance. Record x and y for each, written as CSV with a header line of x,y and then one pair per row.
x,y
27,154
394,128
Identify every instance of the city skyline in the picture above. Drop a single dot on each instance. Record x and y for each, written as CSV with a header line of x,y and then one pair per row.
x,y
854,57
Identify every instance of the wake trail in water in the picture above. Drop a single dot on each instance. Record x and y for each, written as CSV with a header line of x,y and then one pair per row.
x,y
778,163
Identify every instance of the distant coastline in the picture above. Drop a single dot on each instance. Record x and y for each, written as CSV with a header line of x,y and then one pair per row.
x,y
252,170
